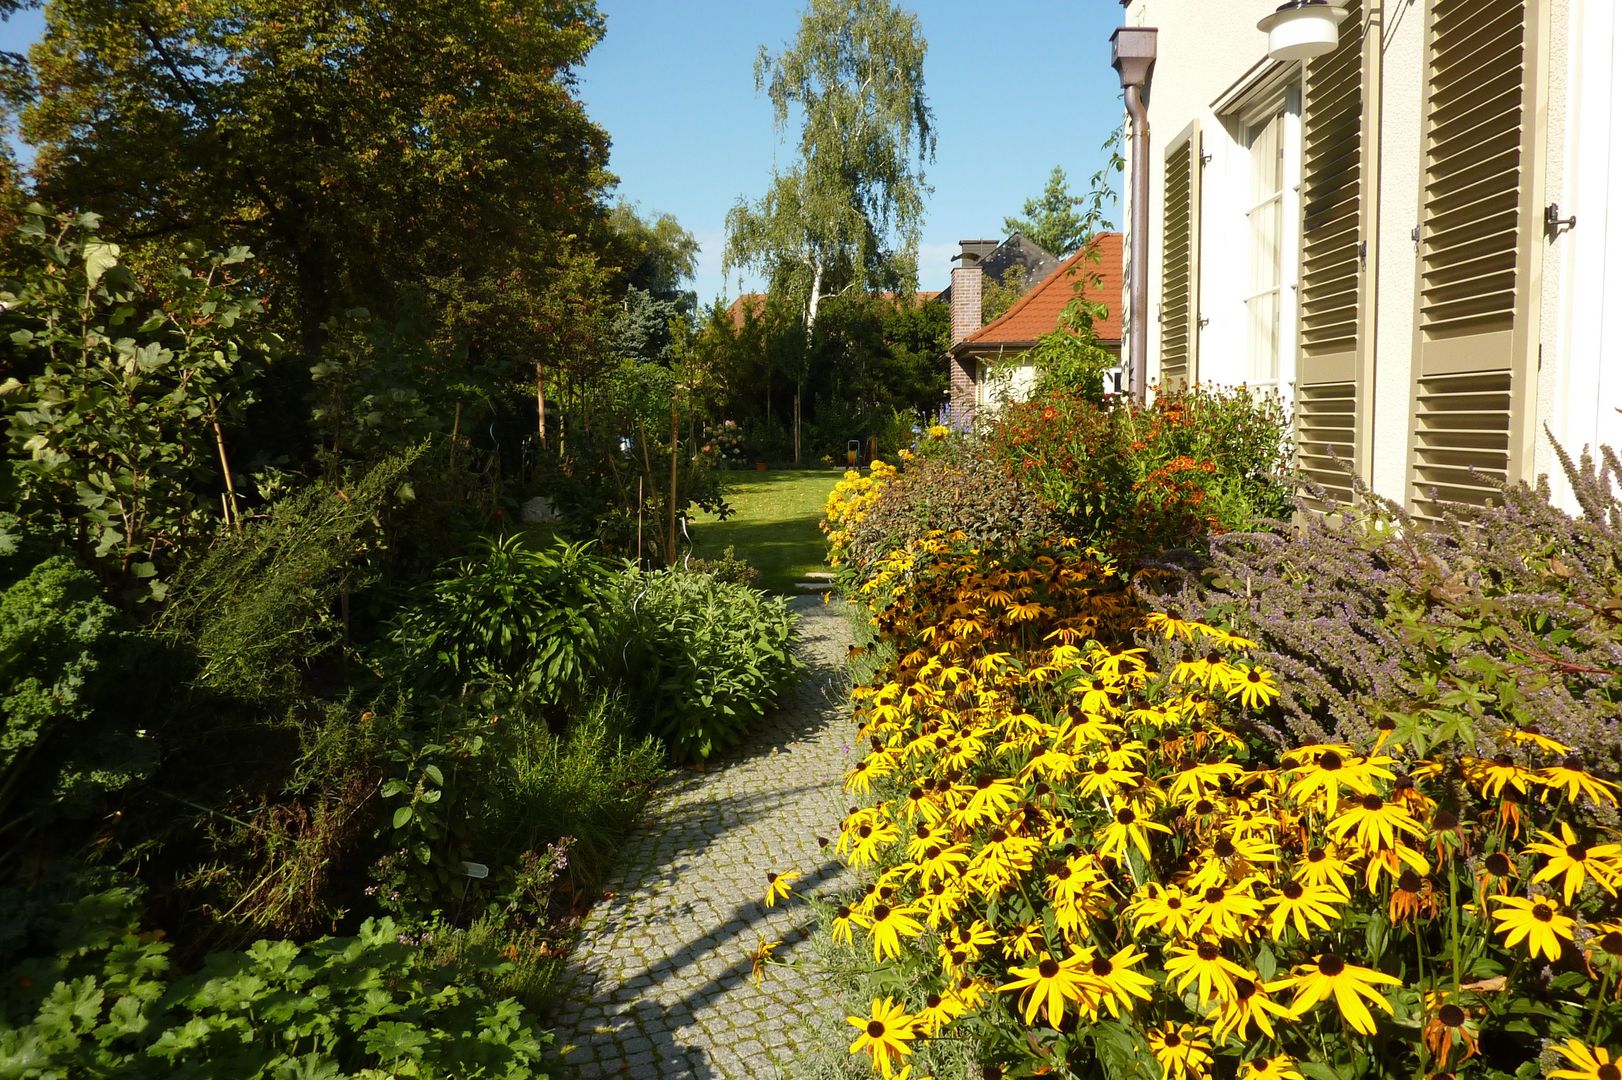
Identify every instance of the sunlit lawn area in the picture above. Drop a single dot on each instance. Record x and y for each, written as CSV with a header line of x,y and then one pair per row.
x,y
774,526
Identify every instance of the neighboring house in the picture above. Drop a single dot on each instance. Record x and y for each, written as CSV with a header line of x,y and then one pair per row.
x,y
1028,260
979,351
1384,234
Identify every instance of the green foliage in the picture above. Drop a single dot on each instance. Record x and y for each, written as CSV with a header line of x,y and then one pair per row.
x,y
1051,219
1141,480
999,295
1441,634
730,568
1061,222
123,388
109,1003
955,488
301,557
59,644
700,659
515,623
855,76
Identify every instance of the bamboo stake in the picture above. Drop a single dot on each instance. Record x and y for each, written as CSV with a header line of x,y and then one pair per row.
x,y
232,518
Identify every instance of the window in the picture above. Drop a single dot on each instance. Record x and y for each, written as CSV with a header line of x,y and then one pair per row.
x,y
1271,136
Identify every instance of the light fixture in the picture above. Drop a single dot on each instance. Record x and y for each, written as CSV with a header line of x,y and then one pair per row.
x,y
1302,29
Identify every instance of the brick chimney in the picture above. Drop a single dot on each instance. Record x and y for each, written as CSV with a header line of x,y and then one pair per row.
x,y
968,291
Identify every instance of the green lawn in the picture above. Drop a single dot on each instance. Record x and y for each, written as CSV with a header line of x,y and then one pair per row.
x,y
774,525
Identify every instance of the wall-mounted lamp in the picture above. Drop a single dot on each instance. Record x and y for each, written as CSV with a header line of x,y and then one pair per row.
x,y
1302,29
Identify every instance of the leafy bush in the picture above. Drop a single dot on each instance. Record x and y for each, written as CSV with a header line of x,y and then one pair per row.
x,y
700,660
957,490
517,623
302,555
730,568
58,753
1509,614
123,390
1194,463
108,1003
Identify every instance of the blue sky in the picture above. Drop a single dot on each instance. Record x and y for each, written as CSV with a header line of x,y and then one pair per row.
x,y
1017,87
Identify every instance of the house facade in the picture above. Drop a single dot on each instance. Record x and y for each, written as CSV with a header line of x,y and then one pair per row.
x,y
982,376
1419,233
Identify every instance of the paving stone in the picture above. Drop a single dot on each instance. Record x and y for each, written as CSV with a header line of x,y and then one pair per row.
x,y
659,984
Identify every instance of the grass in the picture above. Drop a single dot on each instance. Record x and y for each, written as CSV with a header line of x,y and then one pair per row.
x,y
774,525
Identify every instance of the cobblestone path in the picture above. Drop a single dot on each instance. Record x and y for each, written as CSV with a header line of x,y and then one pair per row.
x,y
660,981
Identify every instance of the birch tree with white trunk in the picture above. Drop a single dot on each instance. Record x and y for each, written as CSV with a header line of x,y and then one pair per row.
x,y
847,214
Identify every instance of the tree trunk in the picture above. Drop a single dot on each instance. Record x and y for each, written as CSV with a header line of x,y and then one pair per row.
x,y
675,430
540,404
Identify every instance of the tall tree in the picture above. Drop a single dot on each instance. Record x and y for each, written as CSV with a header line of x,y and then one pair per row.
x,y
425,160
1053,219
847,214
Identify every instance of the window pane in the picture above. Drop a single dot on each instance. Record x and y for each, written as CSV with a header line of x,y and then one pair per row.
x,y
1263,318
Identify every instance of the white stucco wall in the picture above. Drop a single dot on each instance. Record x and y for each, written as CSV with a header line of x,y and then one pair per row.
x,y
1206,48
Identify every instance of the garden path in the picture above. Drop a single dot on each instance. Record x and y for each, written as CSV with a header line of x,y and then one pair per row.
x,y
660,981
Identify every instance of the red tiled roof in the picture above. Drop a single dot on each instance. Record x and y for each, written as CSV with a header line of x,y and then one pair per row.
x,y
1037,312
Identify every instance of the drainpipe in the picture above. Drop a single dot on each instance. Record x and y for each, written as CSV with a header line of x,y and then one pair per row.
x,y
1133,57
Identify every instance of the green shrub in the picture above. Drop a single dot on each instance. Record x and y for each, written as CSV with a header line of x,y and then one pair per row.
x,y
731,568
954,487
1134,481
515,623
107,1003
59,753
700,660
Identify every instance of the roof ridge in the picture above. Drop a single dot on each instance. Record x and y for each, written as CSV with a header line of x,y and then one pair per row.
x,y
1063,269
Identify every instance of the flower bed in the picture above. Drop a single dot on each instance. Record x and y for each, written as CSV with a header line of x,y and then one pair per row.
x,y
1083,862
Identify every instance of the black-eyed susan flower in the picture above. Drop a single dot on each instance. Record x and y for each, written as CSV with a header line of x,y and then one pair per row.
x,y
885,1033
1349,985
1128,827
1250,1003
1277,1067
1449,1033
1535,920
779,885
1571,779
1182,1050
1369,823
1115,980
761,957
1587,1062
1203,965
1047,985
1328,770
888,925
940,1010
1574,862
1165,909
1254,687
1225,910
1302,905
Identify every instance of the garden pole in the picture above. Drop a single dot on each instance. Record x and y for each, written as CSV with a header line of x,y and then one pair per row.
x,y
675,428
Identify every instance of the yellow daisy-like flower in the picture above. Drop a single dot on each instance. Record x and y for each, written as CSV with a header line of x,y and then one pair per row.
x,y
888,925
1204,965
1570,779
1331,977
885,1033
1302,904
1587,1062
1253,687
1115,981
1535,920
1250,1003
778,886
1048,985
1277,1067
1181,1049
1574,862
761,957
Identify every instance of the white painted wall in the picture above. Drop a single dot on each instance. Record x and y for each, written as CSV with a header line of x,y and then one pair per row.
x,y
1584,385
1206,48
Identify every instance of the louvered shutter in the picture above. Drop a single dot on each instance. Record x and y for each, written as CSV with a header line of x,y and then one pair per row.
x,y
1478,250
1335,355
1180,260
